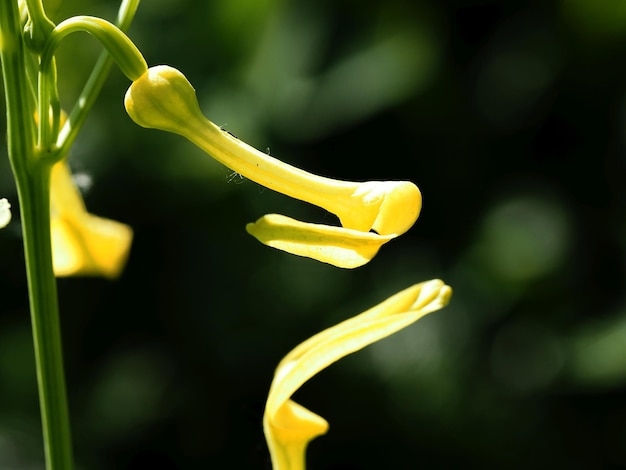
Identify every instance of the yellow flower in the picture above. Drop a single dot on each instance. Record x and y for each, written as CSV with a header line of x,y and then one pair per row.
x,y
82,243
371,213
288,426
5,213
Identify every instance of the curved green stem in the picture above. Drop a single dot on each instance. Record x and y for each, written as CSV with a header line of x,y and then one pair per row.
x,y
128,58
49,107
94,84
33,184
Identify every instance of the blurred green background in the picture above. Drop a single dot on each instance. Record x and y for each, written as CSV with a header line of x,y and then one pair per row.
x,y
509,115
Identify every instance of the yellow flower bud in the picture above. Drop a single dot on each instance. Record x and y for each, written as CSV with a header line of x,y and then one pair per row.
x,y
162,98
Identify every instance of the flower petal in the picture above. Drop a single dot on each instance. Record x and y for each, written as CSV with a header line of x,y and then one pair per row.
x,y
89,246
387,207
321,350
341,247
289,433
82,243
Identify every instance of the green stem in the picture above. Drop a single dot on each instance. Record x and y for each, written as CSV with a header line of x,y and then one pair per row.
x,y
128,58
94,84
20,107
33,185
34,196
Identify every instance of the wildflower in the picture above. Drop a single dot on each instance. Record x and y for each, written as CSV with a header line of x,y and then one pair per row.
x,y
371,213
5,213
288,426
82,243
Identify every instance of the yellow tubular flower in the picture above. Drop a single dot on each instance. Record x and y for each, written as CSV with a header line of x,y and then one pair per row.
x,y
289,427
5,213
162,98
82,243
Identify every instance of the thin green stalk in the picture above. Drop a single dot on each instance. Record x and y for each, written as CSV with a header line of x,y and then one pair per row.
x,y
34,196
33,184
20,107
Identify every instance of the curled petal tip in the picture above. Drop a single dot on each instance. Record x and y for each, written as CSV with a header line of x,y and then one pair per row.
x,y
387,207
399,210
431,295
445,294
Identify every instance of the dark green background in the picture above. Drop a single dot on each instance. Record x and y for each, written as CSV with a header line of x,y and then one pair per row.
x,y
510,116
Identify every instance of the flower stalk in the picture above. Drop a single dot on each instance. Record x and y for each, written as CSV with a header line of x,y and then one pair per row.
x,y
33,186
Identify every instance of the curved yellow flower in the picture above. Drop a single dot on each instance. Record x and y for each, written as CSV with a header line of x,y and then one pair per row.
x,y
82,243
288,426
5,213
162,98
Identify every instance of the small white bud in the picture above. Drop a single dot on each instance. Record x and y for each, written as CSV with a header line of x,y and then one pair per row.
x,y
5,213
